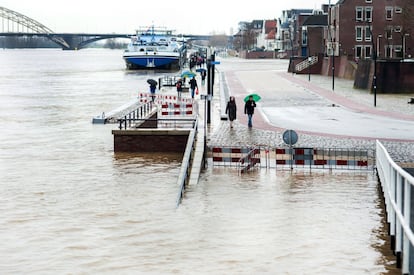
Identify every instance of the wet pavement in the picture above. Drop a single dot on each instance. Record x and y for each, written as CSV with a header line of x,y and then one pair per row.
x,y
391,119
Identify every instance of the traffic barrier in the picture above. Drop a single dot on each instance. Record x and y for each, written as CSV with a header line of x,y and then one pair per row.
x,y
319,158
168,109
160,99
329,158
228,155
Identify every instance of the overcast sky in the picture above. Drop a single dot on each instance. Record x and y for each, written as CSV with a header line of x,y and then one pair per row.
x,y
125,16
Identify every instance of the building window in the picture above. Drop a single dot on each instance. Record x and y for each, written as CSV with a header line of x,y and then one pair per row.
x,y
358,51
368,33
398,10
368,1
359,13
368,51
388,51
358,33
388,33
304,36
368,14
388,13
397,28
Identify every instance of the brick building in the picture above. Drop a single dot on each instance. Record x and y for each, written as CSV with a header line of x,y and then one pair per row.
x,y
361,28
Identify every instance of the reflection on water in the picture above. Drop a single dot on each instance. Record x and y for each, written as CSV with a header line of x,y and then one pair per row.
x,y
70,205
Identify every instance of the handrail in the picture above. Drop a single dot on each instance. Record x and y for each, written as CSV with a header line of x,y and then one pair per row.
x,y
249,160
184,175
140,112
396,184
306,63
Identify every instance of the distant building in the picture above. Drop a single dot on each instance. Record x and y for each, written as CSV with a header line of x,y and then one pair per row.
x,y
288,31
360,28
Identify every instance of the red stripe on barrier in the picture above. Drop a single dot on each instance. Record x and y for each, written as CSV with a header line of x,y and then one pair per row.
x,y
299,152
217,150
217,159
236,150
189,112
362,163
164,106
164,113
235,159
280,151
320,162
280,161
300,161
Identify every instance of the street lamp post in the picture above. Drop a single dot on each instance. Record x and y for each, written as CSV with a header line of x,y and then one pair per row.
x,y
374,56
374,79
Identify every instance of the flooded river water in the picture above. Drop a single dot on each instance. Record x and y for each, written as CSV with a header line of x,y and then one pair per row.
x,y
70,206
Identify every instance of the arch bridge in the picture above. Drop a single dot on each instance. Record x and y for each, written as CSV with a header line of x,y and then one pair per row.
x,y
19,25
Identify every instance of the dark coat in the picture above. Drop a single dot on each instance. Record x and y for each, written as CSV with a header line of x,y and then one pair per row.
x,y
193,83
249,107
231,109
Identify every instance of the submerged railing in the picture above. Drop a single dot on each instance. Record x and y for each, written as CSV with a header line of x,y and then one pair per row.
x,y
398,194
185,170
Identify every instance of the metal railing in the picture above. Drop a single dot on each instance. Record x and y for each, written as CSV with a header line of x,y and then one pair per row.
x,y
397,186
138,113
185,170
249,161
306,63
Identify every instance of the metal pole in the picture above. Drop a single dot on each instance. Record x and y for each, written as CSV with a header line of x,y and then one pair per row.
x,y
209,83
333,47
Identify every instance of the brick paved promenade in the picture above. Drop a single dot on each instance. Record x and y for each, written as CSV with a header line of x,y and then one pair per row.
x,y
264,134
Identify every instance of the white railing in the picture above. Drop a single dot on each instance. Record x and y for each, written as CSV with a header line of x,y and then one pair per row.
x,y
306,63
396,185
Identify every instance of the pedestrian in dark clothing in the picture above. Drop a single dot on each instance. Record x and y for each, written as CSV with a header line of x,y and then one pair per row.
x,y
179,86
231,110
193,86
249,110
153,87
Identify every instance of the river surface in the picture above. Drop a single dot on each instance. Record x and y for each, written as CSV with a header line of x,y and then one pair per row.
x,y
69,205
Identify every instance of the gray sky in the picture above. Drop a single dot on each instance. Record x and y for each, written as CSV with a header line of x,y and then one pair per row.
x,y
124,16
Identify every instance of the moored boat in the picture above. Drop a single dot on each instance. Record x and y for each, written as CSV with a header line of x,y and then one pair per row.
x,y
155,48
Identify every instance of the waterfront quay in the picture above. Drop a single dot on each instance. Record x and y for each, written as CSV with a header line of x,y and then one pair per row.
x,y
295,95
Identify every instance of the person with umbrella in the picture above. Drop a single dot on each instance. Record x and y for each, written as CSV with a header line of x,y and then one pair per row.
x,y
231,110
153,87
249,109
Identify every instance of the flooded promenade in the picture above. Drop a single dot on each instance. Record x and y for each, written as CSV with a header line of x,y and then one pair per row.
x,y
281,90
71,206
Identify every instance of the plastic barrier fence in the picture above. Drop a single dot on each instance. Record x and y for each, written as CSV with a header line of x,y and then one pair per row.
x,y
318,158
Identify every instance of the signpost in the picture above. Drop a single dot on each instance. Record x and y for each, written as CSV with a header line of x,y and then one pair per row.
x,y
290,137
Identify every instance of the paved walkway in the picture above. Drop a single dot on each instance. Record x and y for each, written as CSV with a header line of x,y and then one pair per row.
x,y
300,90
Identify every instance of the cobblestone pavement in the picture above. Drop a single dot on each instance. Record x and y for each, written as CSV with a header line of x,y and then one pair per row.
x,y
220,134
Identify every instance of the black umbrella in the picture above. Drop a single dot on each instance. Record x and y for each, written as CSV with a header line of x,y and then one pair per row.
x,y
151,81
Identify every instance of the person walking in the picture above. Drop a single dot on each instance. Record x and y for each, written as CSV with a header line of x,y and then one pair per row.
x,y
153,87
249,110
179,86
231,110
193,86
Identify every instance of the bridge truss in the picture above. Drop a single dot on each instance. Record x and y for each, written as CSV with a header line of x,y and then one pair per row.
x,y
20,23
